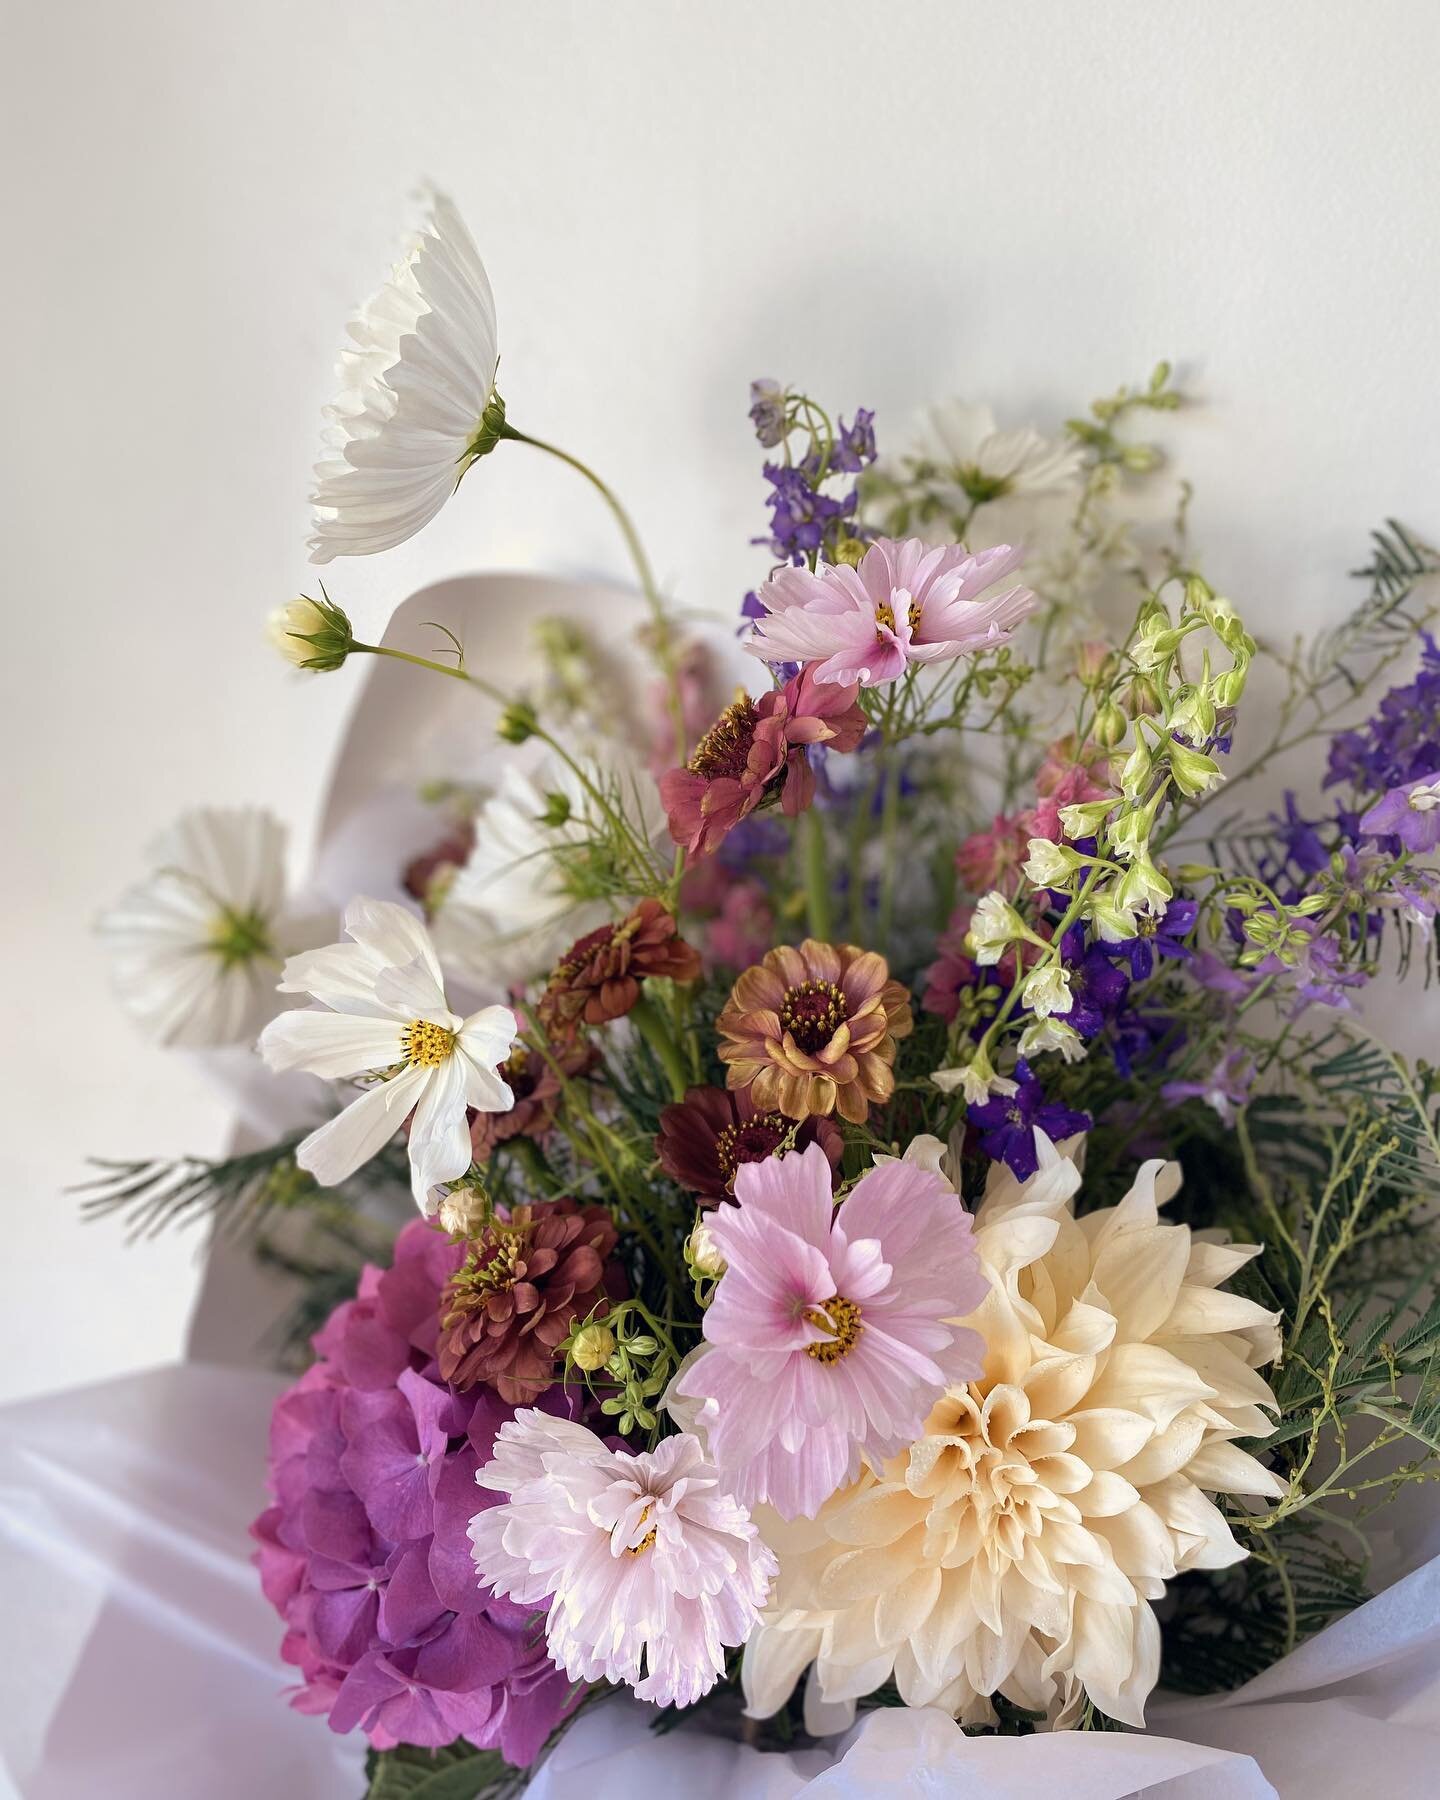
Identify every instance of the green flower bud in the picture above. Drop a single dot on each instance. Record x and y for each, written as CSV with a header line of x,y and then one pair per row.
x,y
1135,775
1110,725
311,634
1193,714
850,550
1085,817
1191,770
518,722
592,1348
1142,888
557,810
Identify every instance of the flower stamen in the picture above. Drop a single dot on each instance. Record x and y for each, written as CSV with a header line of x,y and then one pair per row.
x,y
725,747
426,1045
837,1315
812,1012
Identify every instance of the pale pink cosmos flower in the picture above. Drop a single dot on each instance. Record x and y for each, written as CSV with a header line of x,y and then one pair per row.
x,y
908,602
831,1334
654,1570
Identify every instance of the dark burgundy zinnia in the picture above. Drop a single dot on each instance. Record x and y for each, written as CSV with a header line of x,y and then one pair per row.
x,y
705,1138
514,1300
536,1079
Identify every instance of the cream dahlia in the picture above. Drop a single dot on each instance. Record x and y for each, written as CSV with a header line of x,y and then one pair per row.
x,y
415,406
1015,1548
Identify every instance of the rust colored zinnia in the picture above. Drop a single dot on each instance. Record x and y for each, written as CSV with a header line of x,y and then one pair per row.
x,y
814,1029
598,978
517,1296
705,1137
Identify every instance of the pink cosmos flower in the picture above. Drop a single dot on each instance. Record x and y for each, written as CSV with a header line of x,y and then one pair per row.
x,y
830,1335
754,752
654,1570
907,602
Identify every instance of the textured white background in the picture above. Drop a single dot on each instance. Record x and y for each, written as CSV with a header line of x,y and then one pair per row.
x,y
885,201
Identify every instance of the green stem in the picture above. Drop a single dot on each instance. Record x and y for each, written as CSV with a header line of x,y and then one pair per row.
x,y
425,662
644,858
664,644
889,822
817,876
532,1159
618,512
648,1022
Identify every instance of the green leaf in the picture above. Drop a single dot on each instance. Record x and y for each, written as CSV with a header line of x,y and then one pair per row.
x,y
459,1772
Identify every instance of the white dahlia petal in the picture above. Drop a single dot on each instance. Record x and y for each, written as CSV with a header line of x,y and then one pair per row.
x,y
416,378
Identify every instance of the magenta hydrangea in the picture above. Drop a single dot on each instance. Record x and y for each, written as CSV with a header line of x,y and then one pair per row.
x,y
365,1553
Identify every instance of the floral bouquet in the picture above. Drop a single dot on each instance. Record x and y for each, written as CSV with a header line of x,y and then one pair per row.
x,y
794,1081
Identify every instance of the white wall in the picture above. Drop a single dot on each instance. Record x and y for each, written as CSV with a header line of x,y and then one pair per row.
x,y
883,200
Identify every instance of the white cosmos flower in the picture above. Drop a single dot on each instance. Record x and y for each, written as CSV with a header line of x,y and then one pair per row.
x,y
387,1019
196,946
1016,1548
1009,487
526,892
416,379
984,462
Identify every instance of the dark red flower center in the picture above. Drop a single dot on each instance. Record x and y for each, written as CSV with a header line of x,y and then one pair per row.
x,y
751,1141
725,747
812,1013
518,1070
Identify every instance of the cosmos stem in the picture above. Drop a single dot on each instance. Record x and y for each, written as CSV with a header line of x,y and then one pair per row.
x,y
664,647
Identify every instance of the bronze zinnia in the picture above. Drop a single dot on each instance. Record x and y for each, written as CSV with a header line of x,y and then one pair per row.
x,y
516,1297
598,978
705,1138
814,1029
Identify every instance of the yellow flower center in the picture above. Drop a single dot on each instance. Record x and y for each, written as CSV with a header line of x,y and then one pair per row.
x,y
647,1542
885,614
840,1316
426,1046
